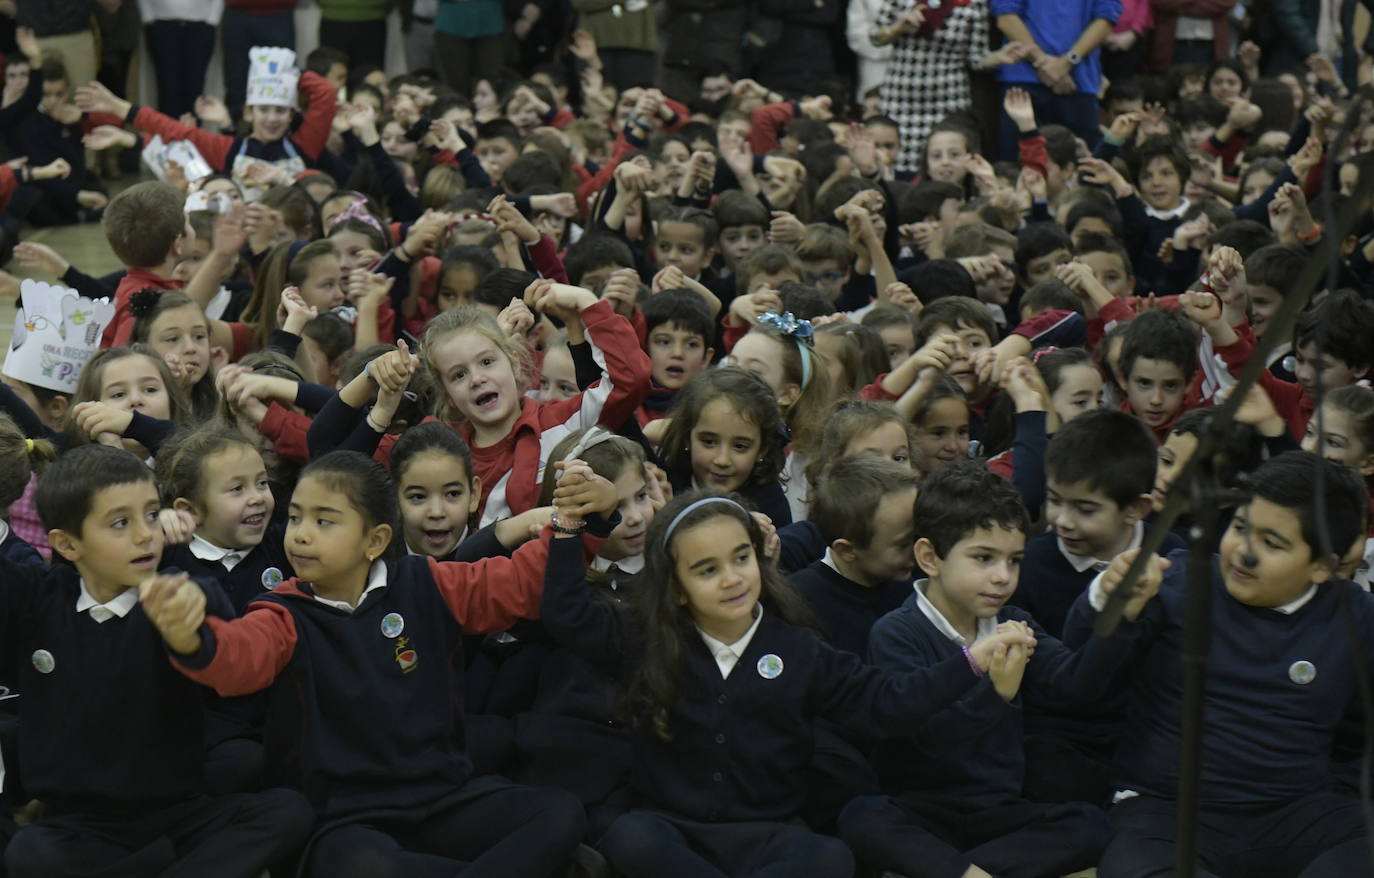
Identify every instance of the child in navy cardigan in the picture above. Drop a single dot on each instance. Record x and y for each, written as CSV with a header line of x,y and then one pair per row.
x,y
364,697
724,691
863,506
1280,680
110,736
956,806
1100,470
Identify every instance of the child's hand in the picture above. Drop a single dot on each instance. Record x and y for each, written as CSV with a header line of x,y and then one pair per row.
x,y
903,297
1123,126
1224,264
1008,665
1018,107
581,492
1033,182
1305,159
631,179
230,234
178,526
817,108
1022,382
1204,309
181,373
622,291
1007,636
1146,587
96,98
367,290
516,320
771,544
424,235
1258,411
393,370
746,310
657,484
1100,173
583,45
27,42
509,219
445,136
928,237
1193,234
92,199
106,136
212,111
40,257
176,607
1243,115
936,355
668,278
296,313
101,422
785,228
1082,281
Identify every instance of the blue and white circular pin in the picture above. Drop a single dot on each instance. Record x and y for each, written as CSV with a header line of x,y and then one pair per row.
x,y
393,625
43,661
770,667
1302,673
271,578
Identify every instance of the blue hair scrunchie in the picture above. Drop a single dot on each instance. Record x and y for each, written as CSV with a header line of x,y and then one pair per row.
x,y
800,331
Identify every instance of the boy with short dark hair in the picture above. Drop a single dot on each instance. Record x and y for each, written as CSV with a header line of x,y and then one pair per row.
x,y
679,330
771,265
743,222
955,805
1040,248
595,256
1270,273
828,260
1281,677
122,797
863,508
686,238
498,146
1160,367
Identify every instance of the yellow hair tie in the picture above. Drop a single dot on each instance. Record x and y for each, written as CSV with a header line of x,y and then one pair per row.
x,y
28,444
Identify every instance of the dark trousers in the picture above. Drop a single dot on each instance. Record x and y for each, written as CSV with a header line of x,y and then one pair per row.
x,y
364,42
646,844
496,828
210,837
463,61
1077,112
629,68
242,31
1317,836
929,838
181,51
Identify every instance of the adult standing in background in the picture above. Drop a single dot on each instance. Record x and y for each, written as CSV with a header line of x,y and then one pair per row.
x,y
862,18
1062,72
249,23
181,38
933,49
357,28
64,27
701,38
625,37
470,41
417,23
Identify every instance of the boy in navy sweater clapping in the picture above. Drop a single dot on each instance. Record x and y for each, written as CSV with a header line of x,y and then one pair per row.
x,y
956,806
110,734
1280,679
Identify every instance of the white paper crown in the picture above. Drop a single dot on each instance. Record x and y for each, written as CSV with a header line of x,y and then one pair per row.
x,y
272,76
55,332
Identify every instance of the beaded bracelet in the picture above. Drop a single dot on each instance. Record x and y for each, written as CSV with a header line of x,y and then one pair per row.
x,y
977,671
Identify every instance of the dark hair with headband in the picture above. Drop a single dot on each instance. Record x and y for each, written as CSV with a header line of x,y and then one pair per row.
x,y
606,453
659,604
750,397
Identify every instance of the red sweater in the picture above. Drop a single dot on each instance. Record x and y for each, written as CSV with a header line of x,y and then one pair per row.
x,y
122,326
1290,402
219,150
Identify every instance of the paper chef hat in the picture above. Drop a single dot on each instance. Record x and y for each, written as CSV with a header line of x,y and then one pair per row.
x,y
272,76
55,332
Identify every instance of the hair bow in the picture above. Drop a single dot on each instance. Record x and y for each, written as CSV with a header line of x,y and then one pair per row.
x,y
1047,349
802,330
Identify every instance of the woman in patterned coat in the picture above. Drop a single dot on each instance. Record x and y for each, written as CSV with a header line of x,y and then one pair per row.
x,y
935,43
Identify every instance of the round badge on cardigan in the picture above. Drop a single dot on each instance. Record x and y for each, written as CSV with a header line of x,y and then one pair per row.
x,y
1302,673
43,661
770,667
271,578
393,625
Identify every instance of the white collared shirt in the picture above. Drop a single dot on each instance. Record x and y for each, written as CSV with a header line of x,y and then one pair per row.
x,y
630,566
1084,563
728,654
117,606
208,551
986,627
376,578
1176,213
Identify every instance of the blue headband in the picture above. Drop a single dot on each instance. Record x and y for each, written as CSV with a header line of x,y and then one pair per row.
x,y
294,250
800,331
690,507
